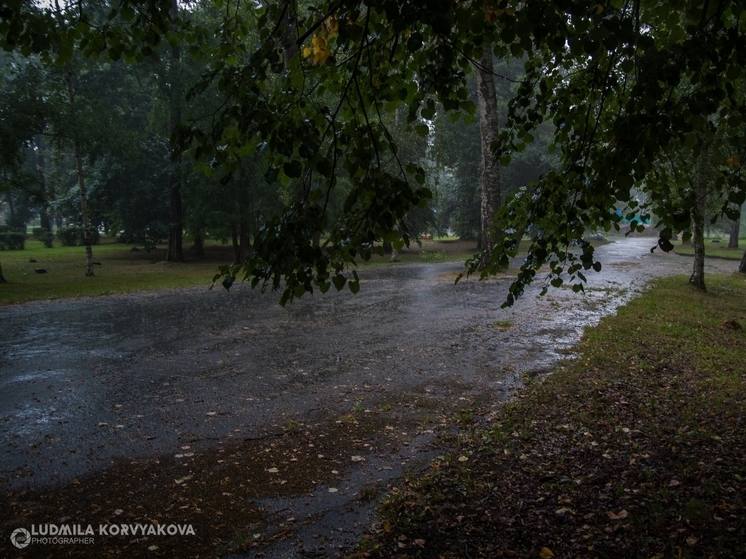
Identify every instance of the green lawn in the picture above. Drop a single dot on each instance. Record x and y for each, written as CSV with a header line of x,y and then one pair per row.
x,y
121,270
715,250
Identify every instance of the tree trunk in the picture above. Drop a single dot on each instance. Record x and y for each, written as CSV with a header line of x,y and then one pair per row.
x,y
735,230
176,227
240,238
289,35
176,211
81,179
199,246
46,220
234,242
2,277
697,278
742,266
243,249
489,129
9,199
44,215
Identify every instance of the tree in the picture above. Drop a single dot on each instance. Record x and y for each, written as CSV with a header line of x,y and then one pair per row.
x,y
23,115
697,279
77,142
489,129
622,81
176,225
735,230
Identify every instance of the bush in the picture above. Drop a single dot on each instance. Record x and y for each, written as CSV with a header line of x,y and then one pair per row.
x,y
73,235
12,240
46,237
9,229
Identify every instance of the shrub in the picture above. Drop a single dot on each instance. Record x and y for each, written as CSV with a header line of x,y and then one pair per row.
x,y
72,235
12,240
8,229
46,237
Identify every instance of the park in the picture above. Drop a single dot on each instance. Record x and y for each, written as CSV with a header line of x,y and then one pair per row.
x,y
372,279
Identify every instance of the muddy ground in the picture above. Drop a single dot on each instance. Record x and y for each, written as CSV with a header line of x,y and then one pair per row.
x,y
89,384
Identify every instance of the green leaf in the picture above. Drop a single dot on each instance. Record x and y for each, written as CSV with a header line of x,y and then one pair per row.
x,y
293,169
415,42
228,282
324,167
339,281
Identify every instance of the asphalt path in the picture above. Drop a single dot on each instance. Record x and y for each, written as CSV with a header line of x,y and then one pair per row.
x,y
86,382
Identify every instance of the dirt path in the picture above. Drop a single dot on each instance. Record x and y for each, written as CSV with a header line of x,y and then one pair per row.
x,y
87,382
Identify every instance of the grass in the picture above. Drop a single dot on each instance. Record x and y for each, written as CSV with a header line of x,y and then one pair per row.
x,y
713,250
635,449
121,270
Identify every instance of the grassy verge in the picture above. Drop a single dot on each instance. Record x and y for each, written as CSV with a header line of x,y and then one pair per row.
x,y
713,250
635,449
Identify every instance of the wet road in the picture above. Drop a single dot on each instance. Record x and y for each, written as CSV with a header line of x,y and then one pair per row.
x,y
84,382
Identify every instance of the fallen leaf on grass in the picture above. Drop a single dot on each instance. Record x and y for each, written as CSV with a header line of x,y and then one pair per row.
x,y
621,516
463,458
674,483
273,470
546,553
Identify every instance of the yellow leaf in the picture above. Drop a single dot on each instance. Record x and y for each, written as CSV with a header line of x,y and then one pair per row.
x,y
332,26
463,458
546,553
734,161
307,51
320,56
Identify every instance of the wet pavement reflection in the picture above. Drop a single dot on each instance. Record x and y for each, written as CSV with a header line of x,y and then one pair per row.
x,y
85,382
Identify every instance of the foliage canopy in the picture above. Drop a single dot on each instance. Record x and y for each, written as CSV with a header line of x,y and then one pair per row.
x,y
626,83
